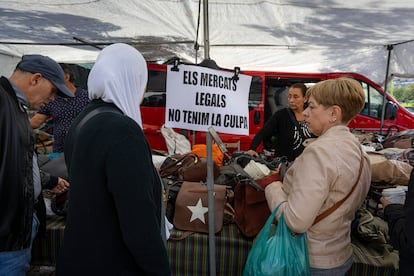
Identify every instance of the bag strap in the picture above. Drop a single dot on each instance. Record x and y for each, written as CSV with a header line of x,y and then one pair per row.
x,y
164,171
96,111
240,172
70,139
339,203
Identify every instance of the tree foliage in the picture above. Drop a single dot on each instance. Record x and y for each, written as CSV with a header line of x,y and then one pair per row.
x,y
404,94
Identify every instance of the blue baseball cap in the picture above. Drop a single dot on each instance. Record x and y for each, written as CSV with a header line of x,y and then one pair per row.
x,y
49,69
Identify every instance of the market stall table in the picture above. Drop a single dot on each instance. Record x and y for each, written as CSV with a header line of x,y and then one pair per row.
x,y
189,256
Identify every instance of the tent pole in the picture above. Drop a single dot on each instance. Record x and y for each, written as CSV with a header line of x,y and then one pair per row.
x,y
211,210
87,43
389,48
210,174
206,30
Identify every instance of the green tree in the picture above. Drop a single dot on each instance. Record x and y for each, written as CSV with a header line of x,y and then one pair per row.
x,y
409,93
398,93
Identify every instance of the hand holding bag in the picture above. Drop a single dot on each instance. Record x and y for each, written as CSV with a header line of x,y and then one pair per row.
x,y
278,253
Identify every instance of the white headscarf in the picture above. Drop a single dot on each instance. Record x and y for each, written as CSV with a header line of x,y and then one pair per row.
x,y
119,76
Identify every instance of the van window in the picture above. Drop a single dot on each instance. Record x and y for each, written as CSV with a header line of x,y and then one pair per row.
x,y
373,101
255,95
155,96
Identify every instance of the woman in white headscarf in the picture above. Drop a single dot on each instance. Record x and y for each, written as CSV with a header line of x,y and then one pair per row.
x,y
113,224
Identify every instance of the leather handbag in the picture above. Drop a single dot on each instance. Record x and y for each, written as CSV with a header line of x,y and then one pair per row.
x,y
191,207
187,167
250,205
170,166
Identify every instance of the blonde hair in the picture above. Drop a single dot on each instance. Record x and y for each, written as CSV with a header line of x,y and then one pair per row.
x,y
344,92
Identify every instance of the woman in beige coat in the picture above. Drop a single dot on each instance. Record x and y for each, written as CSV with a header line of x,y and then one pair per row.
x,y
324,174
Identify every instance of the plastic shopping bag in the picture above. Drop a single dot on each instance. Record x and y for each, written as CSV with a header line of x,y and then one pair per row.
x,y
278,251
176,142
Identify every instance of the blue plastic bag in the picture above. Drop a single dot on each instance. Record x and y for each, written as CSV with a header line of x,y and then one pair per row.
x,y
281,253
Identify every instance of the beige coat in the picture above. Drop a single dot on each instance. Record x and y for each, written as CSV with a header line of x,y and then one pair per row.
x,y
321,176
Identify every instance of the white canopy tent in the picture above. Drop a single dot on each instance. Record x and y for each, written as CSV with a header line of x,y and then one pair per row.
x,y
272,35
268,35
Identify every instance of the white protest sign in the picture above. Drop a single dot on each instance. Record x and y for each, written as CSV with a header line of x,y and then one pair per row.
x,y
200,97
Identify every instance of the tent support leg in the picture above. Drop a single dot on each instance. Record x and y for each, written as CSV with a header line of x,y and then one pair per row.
x,y
211,220
384,99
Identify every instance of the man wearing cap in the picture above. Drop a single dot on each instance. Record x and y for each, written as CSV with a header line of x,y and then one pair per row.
x,y
35,81
62,110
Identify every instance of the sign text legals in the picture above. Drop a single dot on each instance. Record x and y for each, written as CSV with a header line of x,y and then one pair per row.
x,y
199,97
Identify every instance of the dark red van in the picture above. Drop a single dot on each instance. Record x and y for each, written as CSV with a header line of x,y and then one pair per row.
x,y
266,96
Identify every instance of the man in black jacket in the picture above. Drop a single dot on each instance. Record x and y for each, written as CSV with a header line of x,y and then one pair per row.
x,y
400,220
35,81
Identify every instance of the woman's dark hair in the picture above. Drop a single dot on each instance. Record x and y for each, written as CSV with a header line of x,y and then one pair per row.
x,y
301,86
68,70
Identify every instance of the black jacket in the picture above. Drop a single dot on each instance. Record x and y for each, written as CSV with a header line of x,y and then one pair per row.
x,y
400,220
16,172
282,134
114,213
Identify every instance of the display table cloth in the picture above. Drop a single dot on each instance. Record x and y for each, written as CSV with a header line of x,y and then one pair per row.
x,y
190,256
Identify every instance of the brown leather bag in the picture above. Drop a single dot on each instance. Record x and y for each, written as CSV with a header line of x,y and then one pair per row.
x,y
250,205
191,207
188,167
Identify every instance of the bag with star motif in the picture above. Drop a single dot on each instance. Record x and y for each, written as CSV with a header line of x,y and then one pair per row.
x,y
191,207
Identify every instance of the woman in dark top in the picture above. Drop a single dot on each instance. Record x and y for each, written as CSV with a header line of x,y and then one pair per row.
x,y
114,217
400,220
287,126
